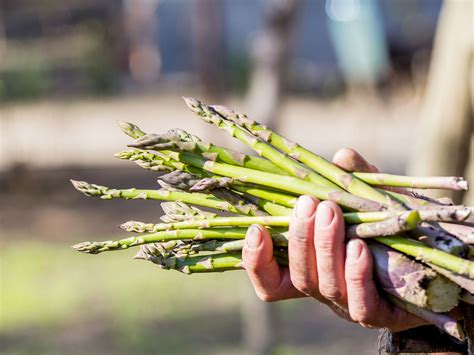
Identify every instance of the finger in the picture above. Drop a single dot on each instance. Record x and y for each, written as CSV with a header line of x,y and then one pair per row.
x,y
301,254
271,283
364,302
330,252
350,160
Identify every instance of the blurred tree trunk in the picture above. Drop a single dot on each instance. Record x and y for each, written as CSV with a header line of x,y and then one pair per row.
x,y
446,122
141,26
208,40
271,59
271,53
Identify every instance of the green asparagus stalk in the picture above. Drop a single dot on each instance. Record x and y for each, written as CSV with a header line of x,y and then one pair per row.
x,y
195,198
410,201
262,148
285,183
390,226
163,236
199,229
237,158
435,238
333,173
271,221
427,254
195,264
416,182
171,141
267,194
171,159
176,211
330,171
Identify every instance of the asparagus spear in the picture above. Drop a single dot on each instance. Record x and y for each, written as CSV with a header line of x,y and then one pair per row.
x,y
204,200
163,236
440,239
172,141
271,221
416,182
236,158
365,230
194,264
427,254
172,160
262,148
179,211
330,171
285,183
389,226
200,229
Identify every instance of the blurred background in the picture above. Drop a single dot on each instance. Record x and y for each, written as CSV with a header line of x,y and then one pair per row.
x,y
394,80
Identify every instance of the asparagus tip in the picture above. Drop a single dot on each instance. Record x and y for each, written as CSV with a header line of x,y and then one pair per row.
x,y
141,255
91,189
80,186
124,126
130,129
86,247
192,103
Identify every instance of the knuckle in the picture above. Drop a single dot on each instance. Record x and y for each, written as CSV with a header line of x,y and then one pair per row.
x,y
362,314
326,244
300,235
356,280
333,294
305,285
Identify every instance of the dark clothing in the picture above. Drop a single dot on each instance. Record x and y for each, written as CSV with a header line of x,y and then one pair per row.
x,y
429,339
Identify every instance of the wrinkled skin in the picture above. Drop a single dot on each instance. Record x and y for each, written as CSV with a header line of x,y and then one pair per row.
x,y
321,265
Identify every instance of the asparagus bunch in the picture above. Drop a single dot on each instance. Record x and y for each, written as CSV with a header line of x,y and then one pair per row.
x,y
421,247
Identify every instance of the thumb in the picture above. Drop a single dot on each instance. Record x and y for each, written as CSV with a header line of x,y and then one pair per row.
x,y
350,160
271,283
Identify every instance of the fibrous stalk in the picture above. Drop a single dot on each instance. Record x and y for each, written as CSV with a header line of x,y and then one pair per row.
x,y
427,254
194,264
390,226
330,171
285,183
163,236
416,182
205,200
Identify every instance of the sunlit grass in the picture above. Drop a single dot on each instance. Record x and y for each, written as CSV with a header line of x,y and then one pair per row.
x,y
50,284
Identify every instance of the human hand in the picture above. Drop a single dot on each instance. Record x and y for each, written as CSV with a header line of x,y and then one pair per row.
x,y
321,265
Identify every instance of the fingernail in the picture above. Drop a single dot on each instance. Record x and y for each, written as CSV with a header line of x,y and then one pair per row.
x,y
254,237
353,250
305,207
324,216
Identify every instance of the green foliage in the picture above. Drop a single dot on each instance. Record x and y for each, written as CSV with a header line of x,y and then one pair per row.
x,y
29,82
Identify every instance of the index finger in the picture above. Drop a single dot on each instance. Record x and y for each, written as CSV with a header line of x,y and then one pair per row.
x,y
350,160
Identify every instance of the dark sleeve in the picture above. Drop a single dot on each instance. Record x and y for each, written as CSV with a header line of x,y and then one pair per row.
x,y
429,339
